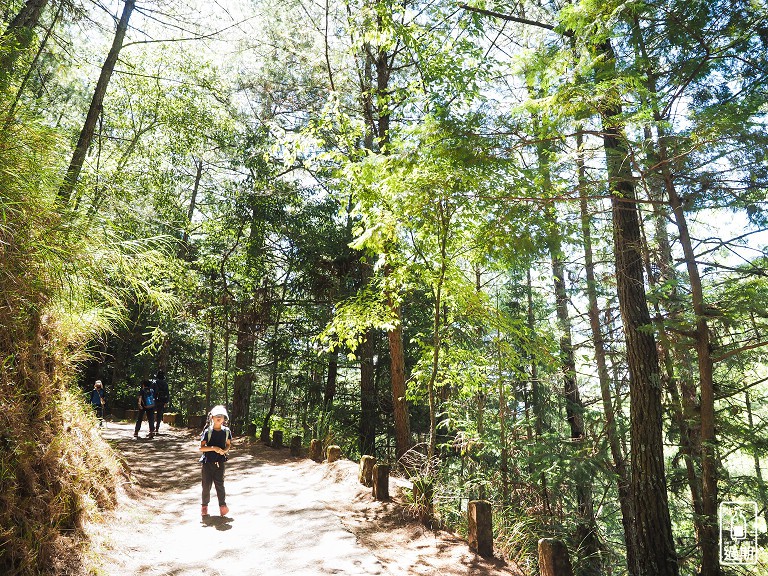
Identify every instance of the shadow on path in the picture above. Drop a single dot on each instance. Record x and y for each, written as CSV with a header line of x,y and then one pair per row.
x,y
287,517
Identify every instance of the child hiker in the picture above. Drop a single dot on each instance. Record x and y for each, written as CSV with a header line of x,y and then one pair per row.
x,y
214,444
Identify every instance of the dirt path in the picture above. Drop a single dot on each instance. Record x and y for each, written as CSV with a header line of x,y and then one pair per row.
x,y
287,517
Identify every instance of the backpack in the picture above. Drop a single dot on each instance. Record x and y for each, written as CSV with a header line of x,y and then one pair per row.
x,y
208,433
149,397
161,385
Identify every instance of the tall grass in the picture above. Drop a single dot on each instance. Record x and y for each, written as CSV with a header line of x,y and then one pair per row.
x,y
56,472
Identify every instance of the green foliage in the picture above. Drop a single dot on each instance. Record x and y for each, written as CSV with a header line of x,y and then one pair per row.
x,y
250,211
56,471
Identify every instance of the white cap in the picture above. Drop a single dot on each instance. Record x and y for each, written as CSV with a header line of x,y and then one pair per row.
x,y
219,410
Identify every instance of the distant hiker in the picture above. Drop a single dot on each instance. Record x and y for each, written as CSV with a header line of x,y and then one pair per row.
x,y
98,398
146,400
161,398
214,444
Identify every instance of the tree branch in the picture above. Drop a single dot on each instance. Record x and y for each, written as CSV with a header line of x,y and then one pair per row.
x,y
511,18
739,350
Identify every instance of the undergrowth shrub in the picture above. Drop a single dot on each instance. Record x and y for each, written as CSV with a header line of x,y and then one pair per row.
x,y
57,475
56,472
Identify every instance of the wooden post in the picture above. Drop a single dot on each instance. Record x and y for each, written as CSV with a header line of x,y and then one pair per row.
x,y
316,450
553,558
333,453
366,470
277,439
296,446
381,482
480,528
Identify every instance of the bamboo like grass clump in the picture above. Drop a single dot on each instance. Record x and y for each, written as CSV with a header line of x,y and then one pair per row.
x,y
55,470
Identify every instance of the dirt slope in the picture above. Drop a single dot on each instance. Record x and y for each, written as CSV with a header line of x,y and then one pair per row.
x,y
287,517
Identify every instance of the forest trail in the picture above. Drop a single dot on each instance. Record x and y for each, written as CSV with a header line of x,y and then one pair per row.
x,y
288,516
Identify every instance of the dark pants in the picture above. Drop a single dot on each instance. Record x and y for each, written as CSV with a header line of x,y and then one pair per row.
x,y
150,418
213,473
160,408
99,408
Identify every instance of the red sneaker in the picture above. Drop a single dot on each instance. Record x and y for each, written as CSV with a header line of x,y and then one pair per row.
x,y
223,510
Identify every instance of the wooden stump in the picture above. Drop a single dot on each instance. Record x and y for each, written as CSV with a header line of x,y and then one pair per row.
x,y
316,450
265,435
381,482
296,446
366,470
170,418
277,439
333,453
480,528
553,558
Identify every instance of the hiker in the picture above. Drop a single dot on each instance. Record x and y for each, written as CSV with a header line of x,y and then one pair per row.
x,y
98,398
214,444
161,398
146,400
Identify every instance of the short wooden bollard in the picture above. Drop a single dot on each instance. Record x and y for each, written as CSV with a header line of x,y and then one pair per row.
x,y
333,453
296,446
480,528
277,439
366,470
380,482
316,450
553,558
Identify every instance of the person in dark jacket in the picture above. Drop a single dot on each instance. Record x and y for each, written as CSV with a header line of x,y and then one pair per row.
x,y
162,396
146,401
97,399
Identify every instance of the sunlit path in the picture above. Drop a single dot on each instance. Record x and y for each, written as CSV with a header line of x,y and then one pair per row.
x,y
287,516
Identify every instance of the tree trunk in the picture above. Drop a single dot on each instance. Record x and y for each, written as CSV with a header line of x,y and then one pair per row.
x,y
761,488
276,354
225,325
437,292
243,378
211,351
22,86
330,382
709,536
709,540
399,405
86,134
536,401
708,525
655,547
192,205
367,397
574,410
17,37
586,531
593,312
374,99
